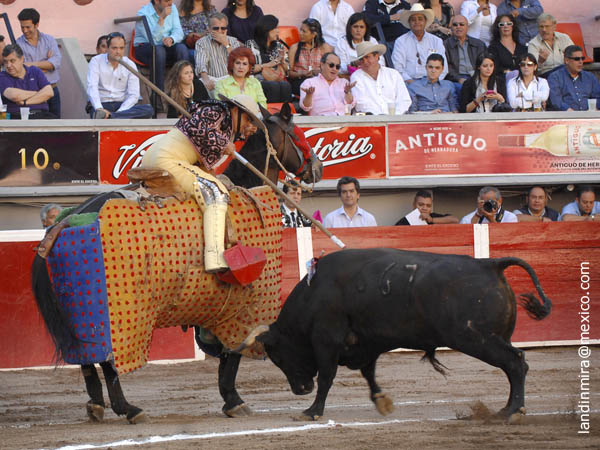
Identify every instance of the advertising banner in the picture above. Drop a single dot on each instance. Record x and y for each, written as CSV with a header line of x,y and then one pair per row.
x,y
349,151
48,159
480,148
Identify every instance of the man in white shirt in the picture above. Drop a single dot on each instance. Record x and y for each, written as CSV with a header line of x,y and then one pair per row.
x,y
112,90
333,16
489,209
412,49
549,45
349,214
377,89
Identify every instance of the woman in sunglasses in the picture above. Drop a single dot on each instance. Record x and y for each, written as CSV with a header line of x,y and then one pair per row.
x,y
485,89
239,66
505,45
357,31
326,94
242,15
528,92
305,55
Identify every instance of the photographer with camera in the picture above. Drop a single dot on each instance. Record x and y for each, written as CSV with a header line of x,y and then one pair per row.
x,y
489,208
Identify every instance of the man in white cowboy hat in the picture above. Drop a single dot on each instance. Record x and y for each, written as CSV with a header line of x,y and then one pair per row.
x,y
193,147
412,49
377,89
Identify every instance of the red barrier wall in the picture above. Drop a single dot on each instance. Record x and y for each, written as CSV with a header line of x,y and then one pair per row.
x,y
554,250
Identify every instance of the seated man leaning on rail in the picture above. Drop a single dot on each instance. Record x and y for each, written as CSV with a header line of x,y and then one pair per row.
x,y
489,208
536,209
584,208
112,89
24,86
423,212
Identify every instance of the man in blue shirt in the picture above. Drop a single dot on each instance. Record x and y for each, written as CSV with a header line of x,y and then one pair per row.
x,y
525,13
570,85
23,86
584,208
167,35
430,94
41,50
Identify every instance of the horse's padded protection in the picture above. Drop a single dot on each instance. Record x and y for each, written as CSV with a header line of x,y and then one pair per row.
x,y
155,274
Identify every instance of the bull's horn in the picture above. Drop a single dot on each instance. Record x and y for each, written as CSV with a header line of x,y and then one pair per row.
x,y
251,339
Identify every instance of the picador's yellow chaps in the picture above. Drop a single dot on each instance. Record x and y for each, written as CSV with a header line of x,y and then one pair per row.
x,y
154,276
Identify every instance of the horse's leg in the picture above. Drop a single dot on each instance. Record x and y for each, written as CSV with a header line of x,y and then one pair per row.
x,y
228,368
95,406
117,400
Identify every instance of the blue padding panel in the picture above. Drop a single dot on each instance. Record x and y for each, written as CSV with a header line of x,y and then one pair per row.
x,y
77,270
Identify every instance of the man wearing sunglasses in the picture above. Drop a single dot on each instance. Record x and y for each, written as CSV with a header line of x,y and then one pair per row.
x,y
327,94
212,51
549,45
570,86
167,36
525,13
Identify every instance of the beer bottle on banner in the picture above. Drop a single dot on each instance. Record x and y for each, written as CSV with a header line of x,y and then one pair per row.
x,y
560,140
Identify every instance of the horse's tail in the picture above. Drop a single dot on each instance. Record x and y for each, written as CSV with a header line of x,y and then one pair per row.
x,y
53,315
535,308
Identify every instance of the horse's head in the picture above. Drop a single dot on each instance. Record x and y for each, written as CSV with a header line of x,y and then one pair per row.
x,y
293,150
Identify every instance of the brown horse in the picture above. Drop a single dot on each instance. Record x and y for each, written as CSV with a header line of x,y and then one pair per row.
x,y
67,337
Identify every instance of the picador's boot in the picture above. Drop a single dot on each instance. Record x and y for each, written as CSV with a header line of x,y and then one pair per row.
x,y
214,237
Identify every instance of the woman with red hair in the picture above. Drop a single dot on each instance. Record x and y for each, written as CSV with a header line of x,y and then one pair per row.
x,y
239,66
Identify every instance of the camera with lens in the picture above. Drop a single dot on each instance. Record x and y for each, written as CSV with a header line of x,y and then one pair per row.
x,y
490,206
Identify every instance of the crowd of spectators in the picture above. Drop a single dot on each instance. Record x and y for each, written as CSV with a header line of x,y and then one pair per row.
x,y
504,58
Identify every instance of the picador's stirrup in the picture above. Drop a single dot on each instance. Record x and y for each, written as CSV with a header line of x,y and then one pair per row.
x,y
214,238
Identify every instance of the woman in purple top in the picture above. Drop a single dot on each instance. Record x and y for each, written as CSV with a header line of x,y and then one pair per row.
x,y
242,15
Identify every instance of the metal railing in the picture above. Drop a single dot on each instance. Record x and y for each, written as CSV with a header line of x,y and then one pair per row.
x,y
153,97
11,35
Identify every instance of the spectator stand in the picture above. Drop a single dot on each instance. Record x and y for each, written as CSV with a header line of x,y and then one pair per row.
x,y
146,93
289,35
11,35
576,35
381,39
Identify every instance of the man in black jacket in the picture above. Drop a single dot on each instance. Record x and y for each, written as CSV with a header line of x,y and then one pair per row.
x,y
387,13
462,51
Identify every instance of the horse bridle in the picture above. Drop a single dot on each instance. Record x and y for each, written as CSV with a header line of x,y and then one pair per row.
x,y
288,133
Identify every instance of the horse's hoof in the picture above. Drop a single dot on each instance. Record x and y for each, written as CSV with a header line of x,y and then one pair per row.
x,y
384,404
137,416
238,411
94,411
305,417
517,418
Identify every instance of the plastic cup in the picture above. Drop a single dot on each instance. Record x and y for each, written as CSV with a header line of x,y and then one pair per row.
x,y
537,104
391,108
592,104
24,113
2,112
347,110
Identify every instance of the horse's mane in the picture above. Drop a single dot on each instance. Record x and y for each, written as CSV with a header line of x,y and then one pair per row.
x,y
254,152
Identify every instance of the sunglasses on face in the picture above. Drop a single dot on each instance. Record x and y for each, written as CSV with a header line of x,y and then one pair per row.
x,y
526,64
458,24
576,58
219,28
505,24
332,65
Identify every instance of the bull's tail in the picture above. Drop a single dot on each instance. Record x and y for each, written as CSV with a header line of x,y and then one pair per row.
x,y
535,308
53,315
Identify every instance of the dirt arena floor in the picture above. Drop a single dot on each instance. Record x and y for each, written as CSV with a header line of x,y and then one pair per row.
x,y
45,408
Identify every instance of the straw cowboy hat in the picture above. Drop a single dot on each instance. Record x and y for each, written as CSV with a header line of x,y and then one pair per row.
x,y
417,8
249,106
366,48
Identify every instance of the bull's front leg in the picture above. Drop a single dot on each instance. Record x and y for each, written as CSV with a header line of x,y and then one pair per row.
x,y
383,403
327,362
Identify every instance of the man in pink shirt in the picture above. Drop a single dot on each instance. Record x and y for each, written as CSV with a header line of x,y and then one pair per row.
x,y
327,94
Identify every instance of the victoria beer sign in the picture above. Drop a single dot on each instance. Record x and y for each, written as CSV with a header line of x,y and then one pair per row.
x,y
344,151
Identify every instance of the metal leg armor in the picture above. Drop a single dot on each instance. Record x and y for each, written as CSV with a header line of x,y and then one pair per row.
x,y
215,211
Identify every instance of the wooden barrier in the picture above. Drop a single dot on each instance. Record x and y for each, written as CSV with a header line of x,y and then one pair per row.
x,y
556,251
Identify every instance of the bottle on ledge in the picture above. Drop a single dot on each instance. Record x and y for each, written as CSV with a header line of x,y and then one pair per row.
x,y
560,140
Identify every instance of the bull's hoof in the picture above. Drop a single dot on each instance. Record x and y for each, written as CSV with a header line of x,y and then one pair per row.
x,y
384,404
306,417
238,411
517,418
94,411
136,415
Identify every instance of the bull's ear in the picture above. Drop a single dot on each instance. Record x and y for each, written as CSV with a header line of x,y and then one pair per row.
x,y
268,337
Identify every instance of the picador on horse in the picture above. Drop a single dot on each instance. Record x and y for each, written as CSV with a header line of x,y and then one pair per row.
x,y
153,255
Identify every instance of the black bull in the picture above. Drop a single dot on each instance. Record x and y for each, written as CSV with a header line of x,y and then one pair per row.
x,y
362,303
